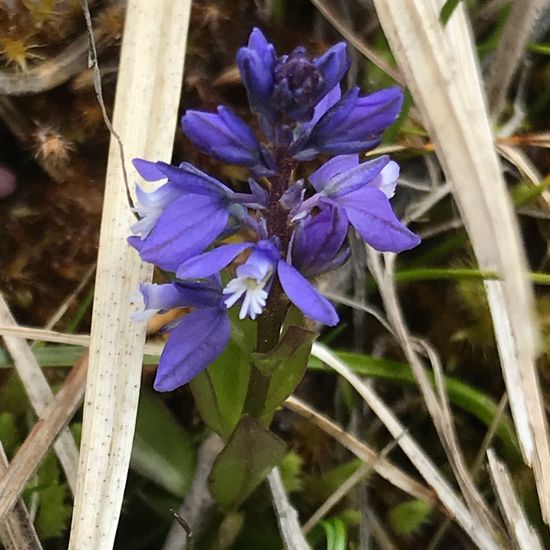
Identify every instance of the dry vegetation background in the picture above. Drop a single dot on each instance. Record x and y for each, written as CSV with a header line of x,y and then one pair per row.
x,y
415,426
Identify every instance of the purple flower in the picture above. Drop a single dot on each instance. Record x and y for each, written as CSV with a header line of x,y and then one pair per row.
x,y
295,233
254,279
291,84
224,136
362,192
197,338
256,63
350,125
318,242
184,216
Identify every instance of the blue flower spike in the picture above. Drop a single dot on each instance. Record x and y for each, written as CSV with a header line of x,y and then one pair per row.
x,y
284,232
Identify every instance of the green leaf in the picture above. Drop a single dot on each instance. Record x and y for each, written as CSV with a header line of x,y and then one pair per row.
x,y
289,364
9,434
406,518
251,453
447,10
462,395
53,513
220,391
291,472
318,487
336,533
162,450
542,48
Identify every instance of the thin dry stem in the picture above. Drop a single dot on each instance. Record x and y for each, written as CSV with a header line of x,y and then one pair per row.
x,y
356,41
511,49
440,66
359,475
437,404
476,530
287,516
17,531
519,528
55,417
40,393
361,450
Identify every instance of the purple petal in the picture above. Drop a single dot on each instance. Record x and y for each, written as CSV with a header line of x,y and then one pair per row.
x,y
299,148
332,168
183,230
380,109
304,296
147,170
210,262
255,64
355,123
333,65
369,211
197,341
318,240
323,106
224,136
355,178
261,195
192,180
337,115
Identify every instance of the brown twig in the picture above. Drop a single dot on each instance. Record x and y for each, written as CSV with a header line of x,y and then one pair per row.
x,y
39,392
42,436
17,531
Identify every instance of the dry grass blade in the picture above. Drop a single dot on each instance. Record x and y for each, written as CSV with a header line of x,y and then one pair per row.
x,y
470,523
287,517
40,393
17,531
436,403
56,416
359,475
198,503
147,97
511,48
380,465
526,168
45,335
356,42
521,532
441,71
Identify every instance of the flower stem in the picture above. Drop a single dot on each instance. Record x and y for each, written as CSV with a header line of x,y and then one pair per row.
x,y
271,320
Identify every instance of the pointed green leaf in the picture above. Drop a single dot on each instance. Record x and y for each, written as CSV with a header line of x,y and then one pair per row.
x,y
220,391
251,453
162,450
406,518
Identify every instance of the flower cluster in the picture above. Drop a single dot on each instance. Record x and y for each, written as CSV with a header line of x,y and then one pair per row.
x,y
300,227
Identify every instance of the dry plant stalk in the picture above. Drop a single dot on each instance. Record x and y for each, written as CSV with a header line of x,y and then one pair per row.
x,y
516,33
147,98
519,528
441,70
359,475
436,403
380,465
469,522
287,517
40,393
54,337
17,531
55,417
